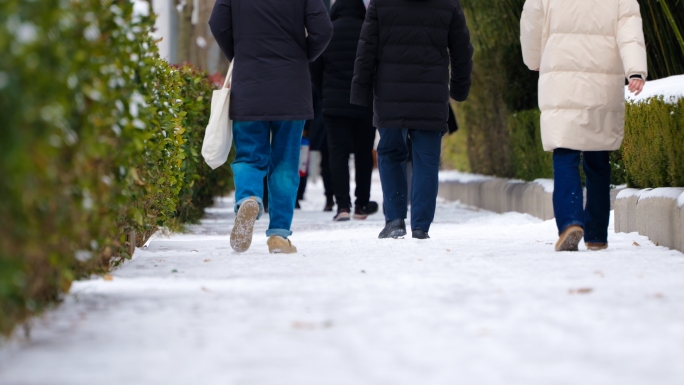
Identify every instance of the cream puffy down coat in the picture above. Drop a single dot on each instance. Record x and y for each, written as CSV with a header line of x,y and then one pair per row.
x,y
583,49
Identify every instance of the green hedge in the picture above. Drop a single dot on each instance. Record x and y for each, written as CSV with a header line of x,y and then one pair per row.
x,y
530,161
653,149
100,138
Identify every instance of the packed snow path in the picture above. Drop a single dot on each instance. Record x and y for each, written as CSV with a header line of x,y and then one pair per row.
x,y
485,301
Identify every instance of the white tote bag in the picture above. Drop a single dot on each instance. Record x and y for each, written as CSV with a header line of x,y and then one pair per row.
x,y
218,138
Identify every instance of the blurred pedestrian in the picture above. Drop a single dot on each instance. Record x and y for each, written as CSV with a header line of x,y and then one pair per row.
x,y
584,50
349,127
272,42
402,68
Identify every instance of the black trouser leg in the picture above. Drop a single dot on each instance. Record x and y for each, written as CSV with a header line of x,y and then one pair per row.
x,y
363,139
325,170
340,145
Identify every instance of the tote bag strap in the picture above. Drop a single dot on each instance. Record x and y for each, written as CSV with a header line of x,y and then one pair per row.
x,y
229,76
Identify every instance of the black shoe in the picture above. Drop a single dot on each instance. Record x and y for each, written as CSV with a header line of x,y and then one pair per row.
x,y
329,204
394,229
419,234
342,215
297,205
362,212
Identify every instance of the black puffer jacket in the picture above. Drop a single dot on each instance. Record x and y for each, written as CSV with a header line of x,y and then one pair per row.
x,y
403,56
272,51
334,70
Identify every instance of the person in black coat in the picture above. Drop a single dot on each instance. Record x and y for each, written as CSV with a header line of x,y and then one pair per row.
x,y
271,43
402,68
349,127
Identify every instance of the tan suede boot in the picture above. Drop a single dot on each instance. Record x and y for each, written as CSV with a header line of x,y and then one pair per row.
x,y
593,246
570,238
280,245
241,235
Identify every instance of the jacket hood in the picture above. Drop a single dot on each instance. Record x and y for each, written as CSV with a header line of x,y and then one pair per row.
x,y
348,8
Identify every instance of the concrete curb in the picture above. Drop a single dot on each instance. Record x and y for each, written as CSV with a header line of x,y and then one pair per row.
x,y
500,196
655,213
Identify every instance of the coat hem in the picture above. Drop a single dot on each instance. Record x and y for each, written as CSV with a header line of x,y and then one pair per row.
x,y
262,118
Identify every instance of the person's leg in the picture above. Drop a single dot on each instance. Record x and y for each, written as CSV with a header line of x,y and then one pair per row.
x,y
597,212
568,199
392,155
252,157
327,175
340,146
427,147
283,179
363,134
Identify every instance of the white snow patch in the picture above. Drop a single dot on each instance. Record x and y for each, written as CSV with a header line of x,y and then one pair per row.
x,y
630,192
547,184
461,177
670,88
680,201
141,8
663,192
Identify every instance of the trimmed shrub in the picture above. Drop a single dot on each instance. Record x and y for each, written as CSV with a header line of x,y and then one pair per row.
x,y
530,161
653,150
95,142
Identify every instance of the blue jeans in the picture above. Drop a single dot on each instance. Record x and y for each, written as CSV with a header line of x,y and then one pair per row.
x,y
393,153
270,149
568,197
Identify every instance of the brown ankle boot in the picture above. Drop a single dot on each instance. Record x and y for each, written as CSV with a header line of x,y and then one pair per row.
x,y
241,235
280,245
570,238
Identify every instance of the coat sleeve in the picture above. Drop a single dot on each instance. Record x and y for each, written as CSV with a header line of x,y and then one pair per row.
x,y
461,53
366,59
531,25
221,25
630,39
319,28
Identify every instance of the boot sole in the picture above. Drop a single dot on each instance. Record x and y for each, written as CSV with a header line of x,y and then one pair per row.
x,y
359,217
243,231
570,239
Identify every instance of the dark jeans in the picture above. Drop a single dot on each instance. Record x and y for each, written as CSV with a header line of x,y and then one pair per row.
x,y
568,197
346,136
325,171
393,153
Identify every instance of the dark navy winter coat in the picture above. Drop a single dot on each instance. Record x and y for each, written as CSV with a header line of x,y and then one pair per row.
x,y
334,70
269,42
402,62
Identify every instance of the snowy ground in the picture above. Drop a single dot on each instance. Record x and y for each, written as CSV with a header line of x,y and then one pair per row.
x,y
486,301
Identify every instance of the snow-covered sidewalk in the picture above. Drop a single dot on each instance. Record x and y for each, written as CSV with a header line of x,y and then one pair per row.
x,y
485,301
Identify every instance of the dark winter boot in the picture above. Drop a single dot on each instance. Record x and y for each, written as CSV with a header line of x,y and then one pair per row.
x,y
419,234
342,215
394,229
362,212
329,204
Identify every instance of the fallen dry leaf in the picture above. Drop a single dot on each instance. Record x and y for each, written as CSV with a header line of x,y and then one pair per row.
x,y
205,289
448,251
108,278
635,244
195,251
583,290
599,274
658,296
207,260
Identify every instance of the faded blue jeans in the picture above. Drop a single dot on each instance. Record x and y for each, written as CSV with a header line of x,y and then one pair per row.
x,y
266,148
568,197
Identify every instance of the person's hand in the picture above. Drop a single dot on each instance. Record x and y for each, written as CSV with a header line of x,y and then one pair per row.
x,y
636,86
